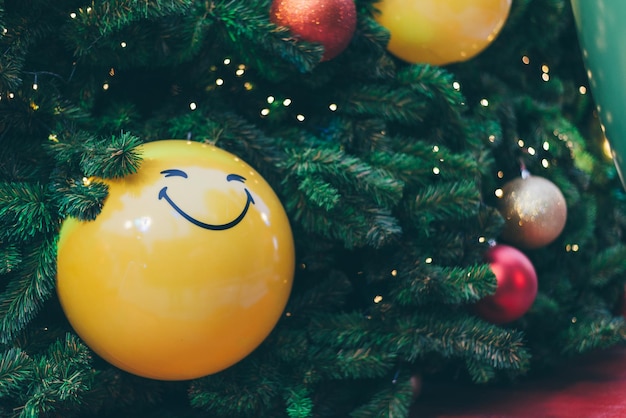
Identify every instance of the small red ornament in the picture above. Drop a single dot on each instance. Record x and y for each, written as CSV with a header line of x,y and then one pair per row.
x,y
328,22
516,285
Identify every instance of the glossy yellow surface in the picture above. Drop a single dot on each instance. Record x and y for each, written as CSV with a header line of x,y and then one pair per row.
x,y
441,32
187,268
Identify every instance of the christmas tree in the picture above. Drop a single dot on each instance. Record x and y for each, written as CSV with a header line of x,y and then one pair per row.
x,y
391,174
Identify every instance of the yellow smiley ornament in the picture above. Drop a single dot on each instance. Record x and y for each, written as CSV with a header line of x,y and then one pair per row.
x,y
187,268
441,32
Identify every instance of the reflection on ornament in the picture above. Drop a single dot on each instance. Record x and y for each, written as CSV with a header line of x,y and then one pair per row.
x,y
606,149
440,32
187,268
534,211
328,22
516,287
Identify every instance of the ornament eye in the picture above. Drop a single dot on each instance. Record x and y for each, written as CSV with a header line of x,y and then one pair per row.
x,y
235,177
174,172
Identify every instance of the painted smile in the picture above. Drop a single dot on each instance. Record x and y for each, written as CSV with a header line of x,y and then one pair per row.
x,y
219,227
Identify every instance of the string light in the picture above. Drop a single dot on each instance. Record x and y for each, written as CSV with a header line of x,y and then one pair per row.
x,y
286,102
332,107
105,86
270,99
248,85
531,151
435,148
492,138
520,143
525,60
378,299
219,82
482,239
265,112
546,145
193,106
456,86
73,15
500,174
499,193
484,102
300,117
436,170
394,272
226,61
582,90
545,163
428,260
572,248
123,44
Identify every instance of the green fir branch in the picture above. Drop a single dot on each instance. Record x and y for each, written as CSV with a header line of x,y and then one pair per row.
x,y
99,20
63,376
327,294
29,287
10,257
354,224
16,371
81,200
415,162
465,337
299,402
444,201
412,338
591,333
319,192
448,285
24,211
347,171
393,401
237,391
113,158
480,371
360,363
249,25
608,265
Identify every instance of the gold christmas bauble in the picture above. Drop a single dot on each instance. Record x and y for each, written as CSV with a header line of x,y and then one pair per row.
x,y
187,268
534,210
441,32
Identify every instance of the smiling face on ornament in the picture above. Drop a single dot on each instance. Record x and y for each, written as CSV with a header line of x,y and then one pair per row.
x,y
213,227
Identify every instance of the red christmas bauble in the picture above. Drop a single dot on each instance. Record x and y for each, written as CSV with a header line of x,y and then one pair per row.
x,y
327,22
516,285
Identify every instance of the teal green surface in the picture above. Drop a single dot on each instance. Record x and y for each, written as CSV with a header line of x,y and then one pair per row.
x,y
601,28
